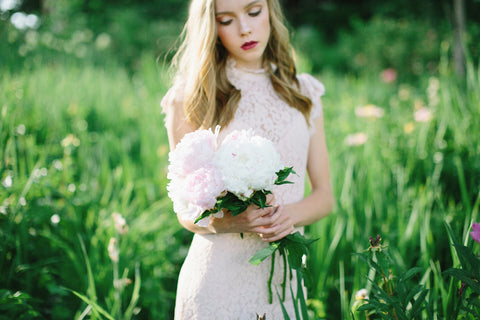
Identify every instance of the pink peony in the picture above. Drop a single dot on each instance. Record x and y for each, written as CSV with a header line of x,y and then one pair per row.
x,y
195,150
475,232
203,186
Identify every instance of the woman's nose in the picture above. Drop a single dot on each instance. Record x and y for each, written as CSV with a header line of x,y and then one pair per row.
x,y
245,28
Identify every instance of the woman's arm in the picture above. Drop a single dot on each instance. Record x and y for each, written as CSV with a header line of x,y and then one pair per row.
x,y
319,203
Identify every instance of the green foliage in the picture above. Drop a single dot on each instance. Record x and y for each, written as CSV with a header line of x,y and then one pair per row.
x,y
72,153
294,249
17,306
80,140
467,305
393,296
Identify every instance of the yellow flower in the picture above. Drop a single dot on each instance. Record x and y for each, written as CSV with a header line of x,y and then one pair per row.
x,y
409,127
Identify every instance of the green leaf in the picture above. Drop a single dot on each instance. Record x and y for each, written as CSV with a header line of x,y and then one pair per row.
x,y
232,203
468,259
204,214
264,253
283,174
284,311
259,198
94,305
410,273
301,297
298,237
135,294
465,276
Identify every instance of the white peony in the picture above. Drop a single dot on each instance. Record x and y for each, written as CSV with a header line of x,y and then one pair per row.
x,y
248,163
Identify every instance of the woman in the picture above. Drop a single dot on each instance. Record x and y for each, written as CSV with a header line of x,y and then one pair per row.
x,y
235,69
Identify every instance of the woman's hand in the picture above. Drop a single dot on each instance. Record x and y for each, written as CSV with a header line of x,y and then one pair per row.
x,y
281,226
271,223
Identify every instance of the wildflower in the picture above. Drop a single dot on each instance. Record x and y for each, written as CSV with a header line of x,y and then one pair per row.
x,y
375,242
389,75
462,287
361,294
122,283
369,111
120,223
57,164
113,251
356,139
475,232
21,129
71,187
55,219
423,114
70,140
103,41
22,201
409,127
404,94
8,181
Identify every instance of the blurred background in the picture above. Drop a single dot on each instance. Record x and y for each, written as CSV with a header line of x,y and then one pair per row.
x,y
86,228
343,35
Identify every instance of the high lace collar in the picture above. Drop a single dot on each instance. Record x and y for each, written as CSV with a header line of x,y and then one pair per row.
x,y
243,78
232,65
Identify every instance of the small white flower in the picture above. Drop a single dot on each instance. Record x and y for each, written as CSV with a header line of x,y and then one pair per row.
x,y
55,219
356,139
113,251
120,223
22,201
8,181
70,140
57,164
361,294
71,187
21,129
423,114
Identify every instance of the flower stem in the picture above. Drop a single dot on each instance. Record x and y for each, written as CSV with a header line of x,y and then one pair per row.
x,y
272,267
285,265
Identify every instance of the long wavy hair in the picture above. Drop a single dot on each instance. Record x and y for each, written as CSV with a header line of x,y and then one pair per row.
x,y
209,99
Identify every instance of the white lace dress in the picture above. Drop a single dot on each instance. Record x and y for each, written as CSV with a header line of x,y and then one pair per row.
x,y
216,280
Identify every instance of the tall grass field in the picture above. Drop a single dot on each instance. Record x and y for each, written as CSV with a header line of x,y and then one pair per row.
x,y
87,230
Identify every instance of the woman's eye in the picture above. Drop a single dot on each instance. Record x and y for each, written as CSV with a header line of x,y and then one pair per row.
x,y
255,13
225,22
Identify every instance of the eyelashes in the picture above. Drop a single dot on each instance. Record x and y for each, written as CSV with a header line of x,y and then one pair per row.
x,y
254,14
225,23
229,21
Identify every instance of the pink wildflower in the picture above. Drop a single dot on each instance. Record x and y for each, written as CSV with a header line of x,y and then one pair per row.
x,y
475,232
389,75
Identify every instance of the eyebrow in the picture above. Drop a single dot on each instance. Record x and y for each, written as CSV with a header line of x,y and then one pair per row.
x,y
251,4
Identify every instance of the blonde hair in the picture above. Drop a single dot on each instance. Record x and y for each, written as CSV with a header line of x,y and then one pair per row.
x,y
209,98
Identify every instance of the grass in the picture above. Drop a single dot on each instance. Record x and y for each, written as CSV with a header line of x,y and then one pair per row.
x,y
79,143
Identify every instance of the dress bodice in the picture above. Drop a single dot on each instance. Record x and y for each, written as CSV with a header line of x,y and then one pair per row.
x,y
263,110
216,280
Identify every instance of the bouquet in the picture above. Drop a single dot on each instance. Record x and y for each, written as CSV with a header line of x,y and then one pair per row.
x,y
207,177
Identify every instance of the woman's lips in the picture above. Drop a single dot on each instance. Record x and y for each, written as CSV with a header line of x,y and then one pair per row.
x,y
249,45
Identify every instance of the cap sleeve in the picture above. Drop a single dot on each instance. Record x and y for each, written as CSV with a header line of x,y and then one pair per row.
x,y
313,89
173,97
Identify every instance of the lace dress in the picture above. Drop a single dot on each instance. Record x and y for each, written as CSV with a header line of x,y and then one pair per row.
x,y
216,280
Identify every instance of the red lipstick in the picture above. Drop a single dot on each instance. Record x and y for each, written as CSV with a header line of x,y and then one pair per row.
x,y
249,45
